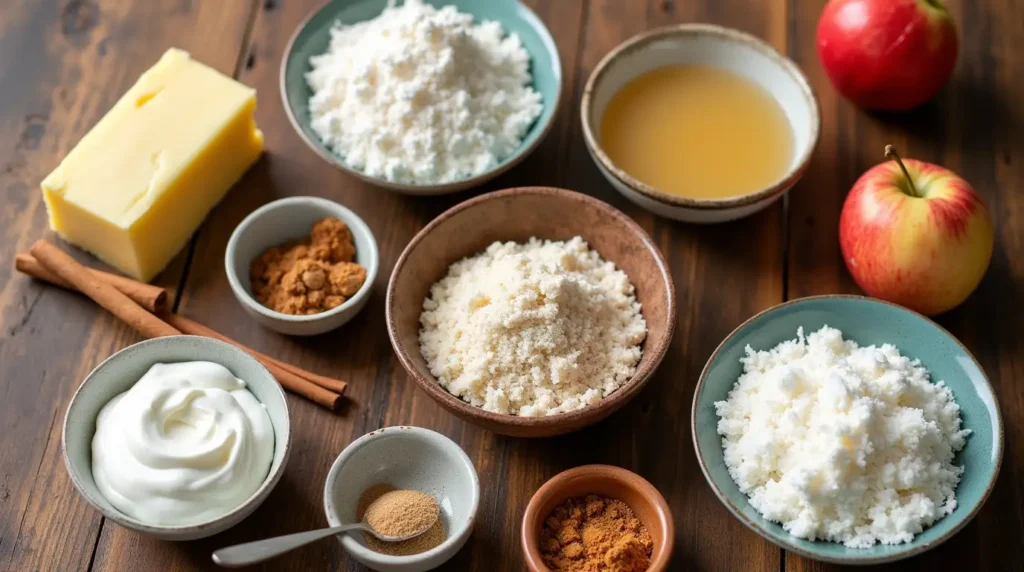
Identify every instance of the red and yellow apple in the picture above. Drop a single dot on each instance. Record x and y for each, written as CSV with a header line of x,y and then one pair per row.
x,y
887,54
915,234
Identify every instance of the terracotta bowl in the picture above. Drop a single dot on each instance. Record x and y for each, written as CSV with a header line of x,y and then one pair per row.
x,y
518,214
608,481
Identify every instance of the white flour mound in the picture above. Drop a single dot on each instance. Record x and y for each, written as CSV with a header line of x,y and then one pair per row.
x,y
842,443
532,329
420,95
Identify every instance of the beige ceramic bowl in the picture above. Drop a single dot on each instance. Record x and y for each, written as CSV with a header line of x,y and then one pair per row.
x,y
518,214
715,46
605,480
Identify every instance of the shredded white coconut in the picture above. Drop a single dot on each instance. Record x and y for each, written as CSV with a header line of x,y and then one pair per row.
x,y
420,95
842,443
532,329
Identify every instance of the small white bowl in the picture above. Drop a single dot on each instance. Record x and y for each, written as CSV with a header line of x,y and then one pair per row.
x,y
719,47
407,458
119,372
276,223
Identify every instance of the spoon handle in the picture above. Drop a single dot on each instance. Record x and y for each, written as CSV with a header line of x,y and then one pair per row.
x,y
260,550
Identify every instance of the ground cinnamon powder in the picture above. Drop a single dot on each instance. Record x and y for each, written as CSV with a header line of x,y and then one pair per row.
x,y
369,504
311,275
402,513
595,534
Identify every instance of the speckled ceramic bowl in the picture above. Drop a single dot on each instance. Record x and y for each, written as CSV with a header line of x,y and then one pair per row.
x,y
519,214
714,46
407,458
288,219
866,322
312,38
119,372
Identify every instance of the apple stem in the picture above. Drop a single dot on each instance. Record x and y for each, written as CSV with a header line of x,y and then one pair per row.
x,y
890,153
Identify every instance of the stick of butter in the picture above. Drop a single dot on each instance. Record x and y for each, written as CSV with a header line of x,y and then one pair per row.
x,y
141,181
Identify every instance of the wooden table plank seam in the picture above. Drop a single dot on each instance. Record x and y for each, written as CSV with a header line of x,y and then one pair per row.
x,y
35,473
575,89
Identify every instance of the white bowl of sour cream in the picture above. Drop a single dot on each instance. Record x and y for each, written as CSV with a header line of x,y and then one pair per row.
x,y
180,437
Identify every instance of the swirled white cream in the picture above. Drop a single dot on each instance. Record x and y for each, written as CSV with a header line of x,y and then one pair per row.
x,y
187,443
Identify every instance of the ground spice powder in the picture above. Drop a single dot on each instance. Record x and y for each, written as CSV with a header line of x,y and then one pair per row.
x,y
401,513
383,498
311,275
595,534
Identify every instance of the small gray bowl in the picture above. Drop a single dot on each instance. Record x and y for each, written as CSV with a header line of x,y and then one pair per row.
x,y
119,372
288,219
407,458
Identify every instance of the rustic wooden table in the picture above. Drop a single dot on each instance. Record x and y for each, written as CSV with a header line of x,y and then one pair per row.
x,y
64,62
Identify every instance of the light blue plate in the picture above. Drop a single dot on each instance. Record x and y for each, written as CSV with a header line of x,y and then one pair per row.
x,y
867,322
313,36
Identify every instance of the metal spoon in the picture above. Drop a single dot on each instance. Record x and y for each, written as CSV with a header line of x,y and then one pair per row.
x,y
260,550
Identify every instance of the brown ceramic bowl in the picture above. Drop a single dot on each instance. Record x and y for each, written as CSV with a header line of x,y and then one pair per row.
x,y
607,481
518,214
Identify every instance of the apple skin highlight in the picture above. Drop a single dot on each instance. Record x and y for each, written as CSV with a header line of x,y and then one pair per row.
x,y
927,253
887,55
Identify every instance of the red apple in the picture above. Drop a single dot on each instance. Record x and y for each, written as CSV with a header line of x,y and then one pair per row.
x,y
889,55
915,234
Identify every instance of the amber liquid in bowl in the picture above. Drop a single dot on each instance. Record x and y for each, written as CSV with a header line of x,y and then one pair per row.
x,y
698,132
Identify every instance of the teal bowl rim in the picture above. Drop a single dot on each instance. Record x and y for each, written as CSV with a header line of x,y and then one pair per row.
x,y
785,544
445,188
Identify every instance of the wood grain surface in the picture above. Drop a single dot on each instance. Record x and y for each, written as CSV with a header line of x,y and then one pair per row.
x,y
64,63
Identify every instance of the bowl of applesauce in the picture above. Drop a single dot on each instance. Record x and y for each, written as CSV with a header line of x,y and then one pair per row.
x,y
699,123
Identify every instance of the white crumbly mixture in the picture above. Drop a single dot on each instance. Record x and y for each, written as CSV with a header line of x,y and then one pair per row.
x,y
842,443
420,95
532,329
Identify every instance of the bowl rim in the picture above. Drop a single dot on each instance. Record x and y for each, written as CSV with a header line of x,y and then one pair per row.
x,y
642,41
350,218
521,153
451,541
271,480
785,543
612,402
554,486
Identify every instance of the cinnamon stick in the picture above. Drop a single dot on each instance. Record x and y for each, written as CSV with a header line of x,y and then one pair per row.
x,y
195,328
55,263
152,298
58,262
302,386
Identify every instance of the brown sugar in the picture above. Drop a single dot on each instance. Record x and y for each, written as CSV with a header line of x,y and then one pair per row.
x,y
311,275
389,510
595,534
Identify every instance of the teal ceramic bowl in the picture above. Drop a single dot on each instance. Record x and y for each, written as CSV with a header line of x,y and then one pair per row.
x,y
313,35
867,322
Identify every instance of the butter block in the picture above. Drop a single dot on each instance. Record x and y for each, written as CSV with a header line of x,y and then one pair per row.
x,y
142,180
